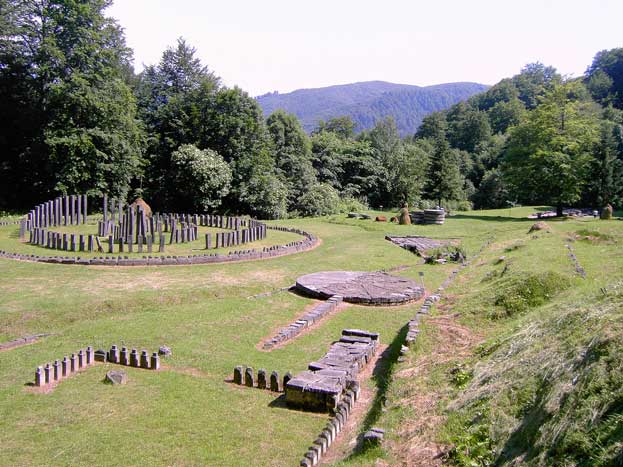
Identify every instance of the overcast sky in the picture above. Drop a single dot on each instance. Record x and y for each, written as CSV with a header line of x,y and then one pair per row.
x,y
282,45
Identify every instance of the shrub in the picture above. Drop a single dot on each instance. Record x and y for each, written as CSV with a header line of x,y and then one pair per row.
x,y
519,294
321,200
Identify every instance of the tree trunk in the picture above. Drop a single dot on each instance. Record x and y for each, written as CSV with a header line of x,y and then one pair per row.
x,y
559,210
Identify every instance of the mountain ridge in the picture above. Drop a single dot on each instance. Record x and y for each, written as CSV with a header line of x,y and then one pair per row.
x,y
366,102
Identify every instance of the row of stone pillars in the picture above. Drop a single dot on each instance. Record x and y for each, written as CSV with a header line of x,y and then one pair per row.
x,y
55,372
246,377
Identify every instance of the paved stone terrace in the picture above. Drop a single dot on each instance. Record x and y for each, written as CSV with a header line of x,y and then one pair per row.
x,y
416,244
368,288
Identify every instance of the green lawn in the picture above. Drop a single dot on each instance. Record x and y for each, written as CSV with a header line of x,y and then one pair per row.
x,y
187,414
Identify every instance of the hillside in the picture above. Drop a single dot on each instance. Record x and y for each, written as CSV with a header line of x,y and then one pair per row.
x,y
368,102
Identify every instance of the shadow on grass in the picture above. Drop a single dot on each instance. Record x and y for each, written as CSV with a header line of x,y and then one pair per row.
x,y
382,375
489,218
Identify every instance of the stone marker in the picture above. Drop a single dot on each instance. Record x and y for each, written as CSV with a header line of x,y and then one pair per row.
x,y
274,382
261,378
115,377
155,361
249,377
287,377
47,373
113,354
39,377
65,367
90,355
74,363
100,355
238,375
125,356
145,359
134,358
57,370
81,359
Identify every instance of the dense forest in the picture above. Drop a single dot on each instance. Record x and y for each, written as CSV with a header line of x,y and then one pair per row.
x,y
368,102
75,118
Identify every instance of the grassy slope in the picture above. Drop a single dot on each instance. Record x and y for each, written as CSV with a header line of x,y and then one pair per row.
x,y
545,386
188,415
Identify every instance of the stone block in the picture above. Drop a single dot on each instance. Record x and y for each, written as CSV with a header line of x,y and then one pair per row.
x,y
155,361
116,377
275,385
261,378
39,377
249,377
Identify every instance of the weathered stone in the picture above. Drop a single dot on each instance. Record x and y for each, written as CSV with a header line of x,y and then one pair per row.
x,y
115,377
275,385
249,377
39,377
113,354
261,378
134,359
155,361
124,356
165,351
145,359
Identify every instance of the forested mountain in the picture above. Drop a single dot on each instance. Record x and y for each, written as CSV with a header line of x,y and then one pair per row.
x,y
369,102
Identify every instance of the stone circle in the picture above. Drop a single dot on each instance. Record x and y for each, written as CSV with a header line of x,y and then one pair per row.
x,y
370,288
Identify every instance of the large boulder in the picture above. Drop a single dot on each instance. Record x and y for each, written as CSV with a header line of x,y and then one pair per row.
x,y
538,226
141,202
606,213
404,218
116,377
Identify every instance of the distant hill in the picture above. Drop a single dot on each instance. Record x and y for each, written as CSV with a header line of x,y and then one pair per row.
x,y
369,101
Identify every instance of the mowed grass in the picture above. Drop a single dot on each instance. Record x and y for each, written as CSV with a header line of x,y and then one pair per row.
x,y
213,317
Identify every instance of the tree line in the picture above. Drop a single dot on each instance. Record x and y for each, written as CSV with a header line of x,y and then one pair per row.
x,y
75,118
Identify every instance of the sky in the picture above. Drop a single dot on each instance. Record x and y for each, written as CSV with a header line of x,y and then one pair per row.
x,y
282,45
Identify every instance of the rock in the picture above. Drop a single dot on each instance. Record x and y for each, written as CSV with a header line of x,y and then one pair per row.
x,y
380,219
606,213
366,216
405,217
116,377
372,437
393,219
538,226
165,351
353,215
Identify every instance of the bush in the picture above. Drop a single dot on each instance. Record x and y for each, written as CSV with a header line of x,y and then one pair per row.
x,y
321,200
350,204
519,294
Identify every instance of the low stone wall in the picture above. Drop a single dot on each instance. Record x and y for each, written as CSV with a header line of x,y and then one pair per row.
x,y
322,386
310,241
333,428
305,321
245,376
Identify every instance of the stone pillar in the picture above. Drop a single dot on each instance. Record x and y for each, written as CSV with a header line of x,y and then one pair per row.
x,y
162,242
47,372
84,209
261,378
287,377
125,356
90,355
39,377
73,242
134,358
73,363
145,359
105,208
113,354
249,377
78,209
139,243
150,241
57,370
155,361
275,385
66,369
81,359
208,241
81,242
238,375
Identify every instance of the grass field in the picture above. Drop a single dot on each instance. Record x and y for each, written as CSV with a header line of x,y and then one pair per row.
x,y
188,414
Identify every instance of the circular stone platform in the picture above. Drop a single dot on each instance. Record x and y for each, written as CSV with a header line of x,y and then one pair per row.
x,y
370,288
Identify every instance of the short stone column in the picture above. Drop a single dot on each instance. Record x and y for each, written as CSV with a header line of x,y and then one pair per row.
x,y
90,355
47,371
144,359
113,354
238,375
261,378
81,359
57,370
125,356
134,358
66,370
39,377
275,384
249,377
155,361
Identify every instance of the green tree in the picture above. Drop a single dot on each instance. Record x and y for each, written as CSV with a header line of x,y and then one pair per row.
x,y
174,99
341,126
202,179
445,181
292,152
549,154
72,62
605,77
606,171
